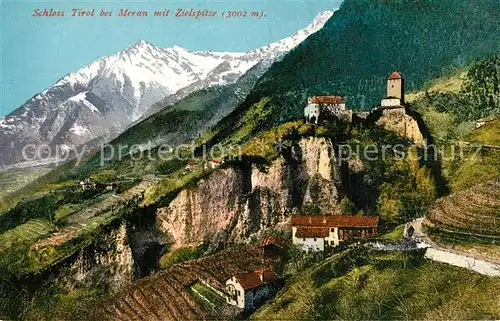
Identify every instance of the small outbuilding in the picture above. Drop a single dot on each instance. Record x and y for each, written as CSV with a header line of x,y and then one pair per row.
x,y
213,164
270,246
190,166
250,290
88,184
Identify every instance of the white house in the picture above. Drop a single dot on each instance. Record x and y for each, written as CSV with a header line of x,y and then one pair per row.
x,y
87,184
483,121
189,166
315,239
316,233
212,164
250,290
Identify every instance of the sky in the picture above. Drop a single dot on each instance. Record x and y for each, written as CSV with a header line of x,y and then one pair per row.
x,y
37,51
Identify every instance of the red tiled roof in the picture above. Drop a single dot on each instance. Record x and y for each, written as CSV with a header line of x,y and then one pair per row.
x,y
334,221
252,280
327,99
191,163
268,240
312,232
215,161
395,75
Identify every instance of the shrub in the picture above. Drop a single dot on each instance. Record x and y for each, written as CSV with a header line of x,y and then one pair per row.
x,y
181,255
347,206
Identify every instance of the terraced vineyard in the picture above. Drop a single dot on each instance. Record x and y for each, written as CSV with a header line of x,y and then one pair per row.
x,y
474,212
166,296
27,232
105,204
93,216
73,230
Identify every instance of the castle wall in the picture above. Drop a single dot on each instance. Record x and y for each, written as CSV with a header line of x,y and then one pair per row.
x,y
312,111
391,102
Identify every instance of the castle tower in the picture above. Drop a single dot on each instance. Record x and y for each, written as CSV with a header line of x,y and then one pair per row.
x,y
396,87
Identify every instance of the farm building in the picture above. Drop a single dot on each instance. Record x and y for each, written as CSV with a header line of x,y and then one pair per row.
x,y
318,233
248,291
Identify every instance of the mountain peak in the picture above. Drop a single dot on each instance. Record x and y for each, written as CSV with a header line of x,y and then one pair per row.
x,y
177,49
141,43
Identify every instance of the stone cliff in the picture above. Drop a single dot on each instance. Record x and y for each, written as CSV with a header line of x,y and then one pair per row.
x,y
403,125
109,259
237,203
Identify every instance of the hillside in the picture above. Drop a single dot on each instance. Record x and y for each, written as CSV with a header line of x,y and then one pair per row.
x,y
355,51
383,286
477,164
448,83
471,213
172,289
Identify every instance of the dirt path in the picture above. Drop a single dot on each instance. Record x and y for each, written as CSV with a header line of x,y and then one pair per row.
x,y
449,255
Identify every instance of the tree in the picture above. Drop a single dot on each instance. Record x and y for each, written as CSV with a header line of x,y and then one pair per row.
x,y
347,206
481,88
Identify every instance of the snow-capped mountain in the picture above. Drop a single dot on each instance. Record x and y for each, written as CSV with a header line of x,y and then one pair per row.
x,y
100,100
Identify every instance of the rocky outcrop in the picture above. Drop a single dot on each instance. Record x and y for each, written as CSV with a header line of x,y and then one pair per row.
x,y
235,204
319,172
403,125
199,212
108,260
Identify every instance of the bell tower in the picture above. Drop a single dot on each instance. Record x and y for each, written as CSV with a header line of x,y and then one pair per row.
x,y
396,87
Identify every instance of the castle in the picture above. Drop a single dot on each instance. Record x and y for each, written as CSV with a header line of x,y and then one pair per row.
x,y
320,108
395,99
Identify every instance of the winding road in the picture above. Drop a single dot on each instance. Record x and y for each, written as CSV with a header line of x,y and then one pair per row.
x,y
448,255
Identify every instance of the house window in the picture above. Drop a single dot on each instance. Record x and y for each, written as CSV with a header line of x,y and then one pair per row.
x,y
332,230
238,293
304,239
314,239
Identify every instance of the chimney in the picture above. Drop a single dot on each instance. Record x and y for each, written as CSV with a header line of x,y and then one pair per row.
x,y
310,219
324,219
